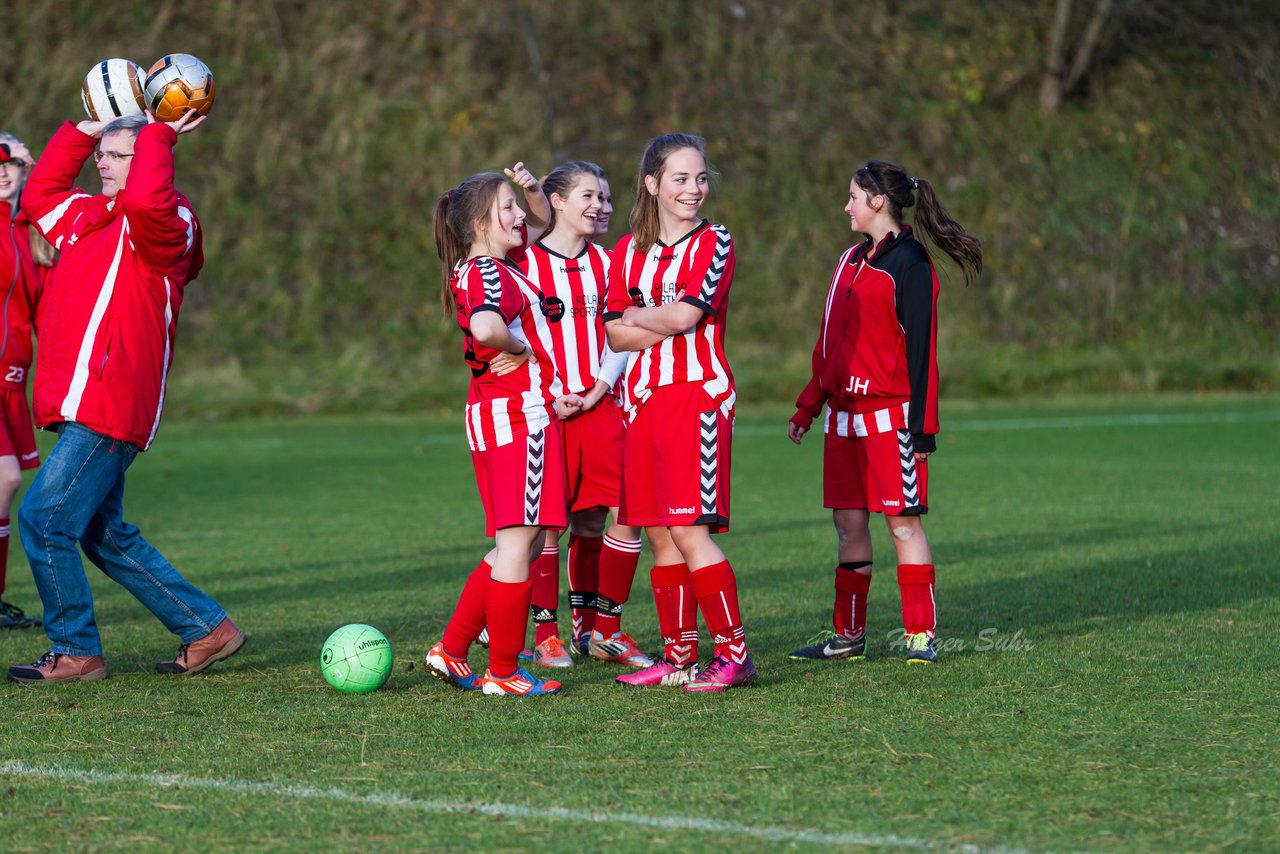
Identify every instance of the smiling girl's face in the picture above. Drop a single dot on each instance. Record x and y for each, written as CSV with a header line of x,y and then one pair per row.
x,y
682,188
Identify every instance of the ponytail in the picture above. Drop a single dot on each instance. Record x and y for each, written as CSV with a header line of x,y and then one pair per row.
x,y
450,249
947,234
891,181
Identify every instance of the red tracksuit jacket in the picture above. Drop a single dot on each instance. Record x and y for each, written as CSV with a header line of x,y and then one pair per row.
x,y
107,319
21,279
877,348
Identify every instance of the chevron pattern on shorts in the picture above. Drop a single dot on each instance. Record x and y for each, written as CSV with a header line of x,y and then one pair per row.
x,y
910,486
534,468
710,462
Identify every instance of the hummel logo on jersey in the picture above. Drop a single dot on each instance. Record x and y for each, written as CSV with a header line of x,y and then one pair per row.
x,y
893,503
571,268
676,510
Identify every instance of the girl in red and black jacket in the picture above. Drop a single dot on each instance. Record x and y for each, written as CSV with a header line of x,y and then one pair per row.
x,y
25,260
875,368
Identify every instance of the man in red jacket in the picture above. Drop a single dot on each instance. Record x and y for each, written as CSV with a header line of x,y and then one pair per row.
x,y
105,328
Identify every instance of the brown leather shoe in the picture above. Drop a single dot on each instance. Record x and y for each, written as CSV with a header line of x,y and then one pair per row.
x,y
56,667
223,642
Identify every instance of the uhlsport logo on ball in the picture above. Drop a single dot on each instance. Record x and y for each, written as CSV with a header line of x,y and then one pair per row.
x,y
356,659
112,89
177,83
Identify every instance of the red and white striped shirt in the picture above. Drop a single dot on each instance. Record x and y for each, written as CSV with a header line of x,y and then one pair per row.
x,y
701,266
503,409
573,303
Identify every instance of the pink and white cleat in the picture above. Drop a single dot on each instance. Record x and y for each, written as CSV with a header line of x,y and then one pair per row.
x,y
664,671
722,674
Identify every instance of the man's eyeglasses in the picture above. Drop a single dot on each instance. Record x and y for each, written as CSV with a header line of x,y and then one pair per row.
x,y
113,156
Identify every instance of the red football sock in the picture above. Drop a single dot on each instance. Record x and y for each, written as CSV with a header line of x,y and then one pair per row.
x,y
468,617
4,551
915,580
507,615
849,618
584,581
618,560
544,572
677,612
717,592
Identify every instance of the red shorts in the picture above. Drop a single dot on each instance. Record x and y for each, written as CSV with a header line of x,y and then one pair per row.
x,y
675,462
593,456
17,435
878,473
522,482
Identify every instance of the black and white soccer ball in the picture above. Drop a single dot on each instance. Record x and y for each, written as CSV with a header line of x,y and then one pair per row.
x,y
113,88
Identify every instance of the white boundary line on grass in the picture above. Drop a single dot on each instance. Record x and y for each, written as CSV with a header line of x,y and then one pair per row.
x,y
388,799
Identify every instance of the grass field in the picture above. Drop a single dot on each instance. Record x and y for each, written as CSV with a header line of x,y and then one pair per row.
x,y
1108,607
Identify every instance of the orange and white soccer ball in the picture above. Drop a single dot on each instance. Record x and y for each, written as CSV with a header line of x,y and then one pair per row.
x,y
111,89
177,83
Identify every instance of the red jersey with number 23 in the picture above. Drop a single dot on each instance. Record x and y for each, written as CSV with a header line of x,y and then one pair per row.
x,y
701,266
503,409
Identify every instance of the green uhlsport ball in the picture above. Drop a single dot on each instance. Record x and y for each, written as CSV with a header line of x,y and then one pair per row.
x,y
356,659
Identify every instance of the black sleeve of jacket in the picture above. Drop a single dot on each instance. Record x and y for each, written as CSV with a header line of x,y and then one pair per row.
x,y
915,314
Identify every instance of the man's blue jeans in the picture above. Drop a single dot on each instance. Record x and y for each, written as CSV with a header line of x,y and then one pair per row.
x,y
78,496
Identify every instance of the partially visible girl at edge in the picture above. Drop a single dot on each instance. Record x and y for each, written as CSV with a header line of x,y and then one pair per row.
x,y
513,401
572,272
875,367
668,302
606,204
26,260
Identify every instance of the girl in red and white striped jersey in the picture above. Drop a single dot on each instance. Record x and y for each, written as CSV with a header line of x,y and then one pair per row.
x,y
668,304
514,399
571,271
875,368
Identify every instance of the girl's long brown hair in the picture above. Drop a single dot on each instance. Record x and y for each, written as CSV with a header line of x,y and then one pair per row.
x,y
456,213
645,225
882,178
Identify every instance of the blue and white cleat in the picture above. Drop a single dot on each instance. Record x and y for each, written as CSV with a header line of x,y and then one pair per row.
x,y
521,684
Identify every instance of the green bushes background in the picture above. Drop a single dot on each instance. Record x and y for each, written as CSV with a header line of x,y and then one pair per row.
x,y
1132,235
